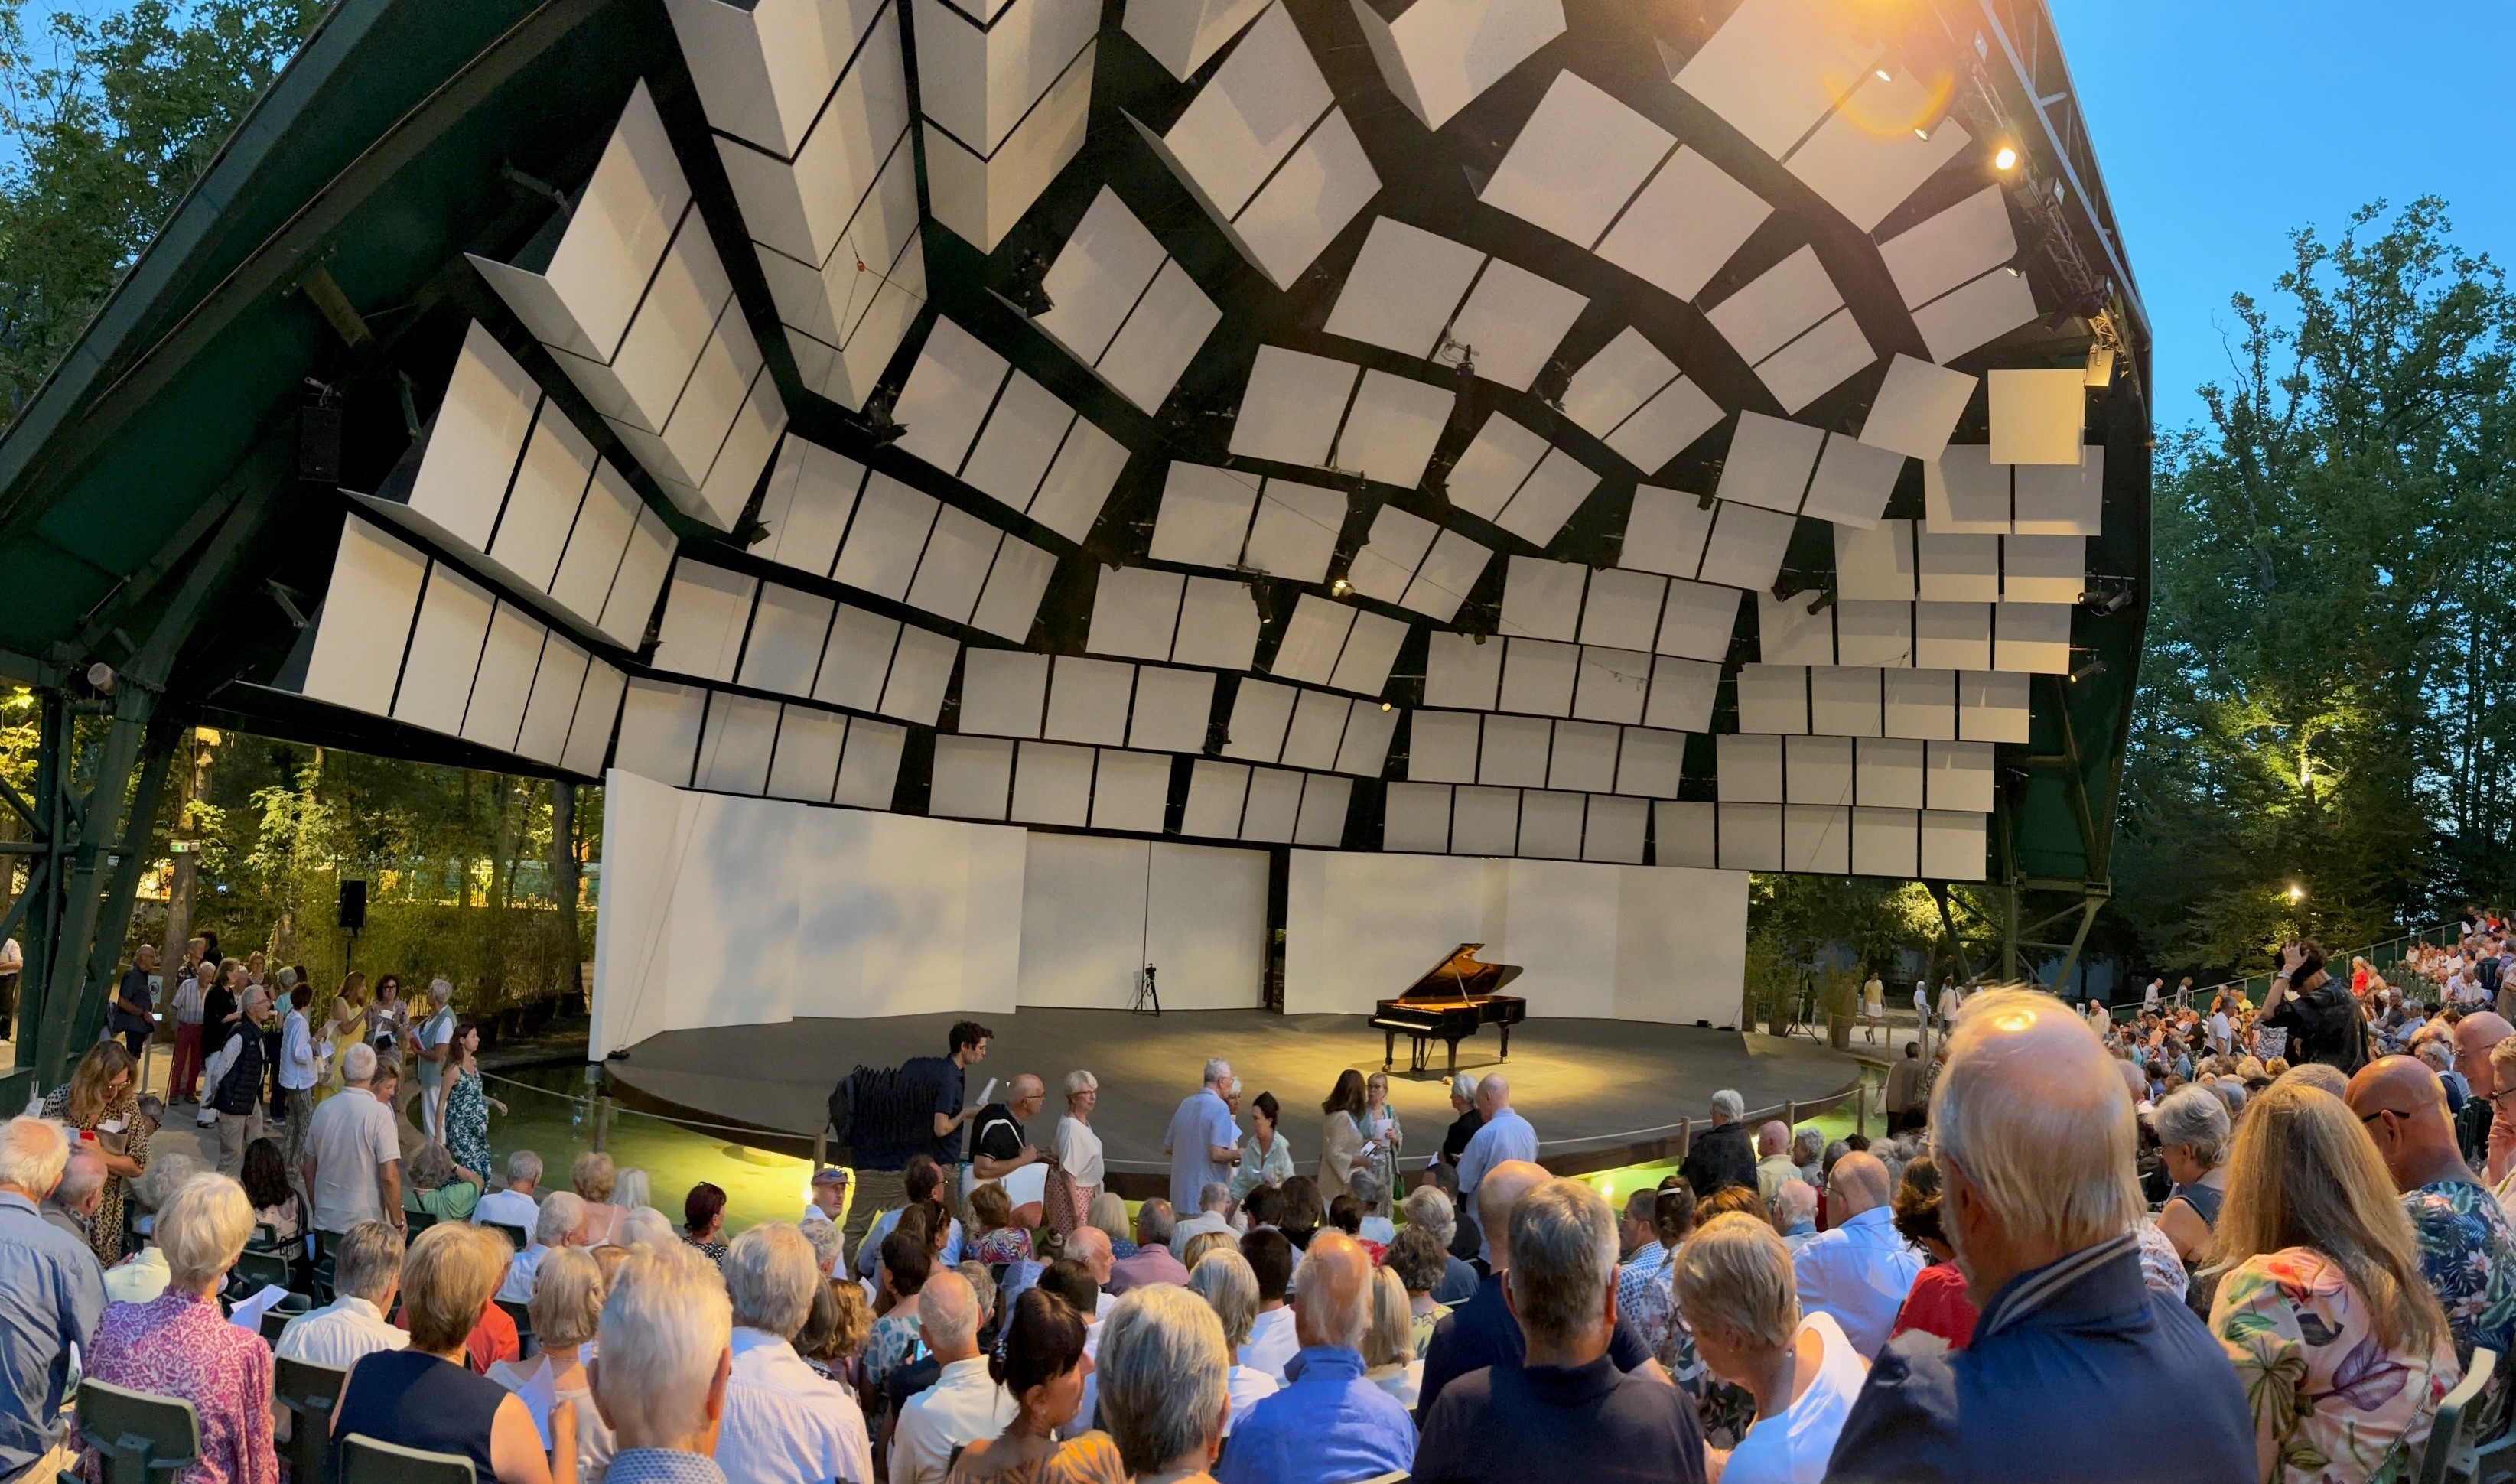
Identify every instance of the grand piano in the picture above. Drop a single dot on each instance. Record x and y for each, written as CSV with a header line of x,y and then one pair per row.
x,y
1448,1003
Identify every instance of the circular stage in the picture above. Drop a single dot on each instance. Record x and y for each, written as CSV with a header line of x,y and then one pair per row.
x,y
1600,1092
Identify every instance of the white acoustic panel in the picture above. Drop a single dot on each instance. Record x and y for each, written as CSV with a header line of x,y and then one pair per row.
x,y
1130,792
1426,296
1818,770
1052,783
1846,700
659,730
970,414
1216,792
1542,599
1976,314
1816,841
1776,68
1879,147
1510,323
1750,769
972,778
365,625
1916,409
1615,830
2065,501
1683,225
1685,833
1873,633
1451,570
1795,630
1539,676
1172,710
1682,693
921,670
1877,562
1665,531
1792,325
2037,416
1853,483
1631,397
1391,552
1135,613
510,652
475,441
1954,248
1576,163
982,193
1438,57
1956,569
597,710
1266,151
1328,644
1952,636
1391,427
1612,685
1003,692
1964,492
1087,700
1770,463
1746,546
1462,671
734,747
789,628
706,616
1773,699
2032,637
2037,569
1751,837
1182,34
1922,705
1292,406
1886,842
1954,846
1888,773
806,763
1992,706
1958,774
857,660
557,685
1649,762
1550,825
1009,604
1218,625
1122,306
1416,818
1442,747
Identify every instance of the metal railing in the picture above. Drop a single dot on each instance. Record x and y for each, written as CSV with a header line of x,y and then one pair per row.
x,y
2384,957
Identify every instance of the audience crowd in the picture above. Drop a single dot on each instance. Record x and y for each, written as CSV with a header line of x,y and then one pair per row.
x,y
2215,1241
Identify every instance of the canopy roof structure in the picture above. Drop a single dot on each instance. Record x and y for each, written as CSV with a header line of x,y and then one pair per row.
x,y
1697,434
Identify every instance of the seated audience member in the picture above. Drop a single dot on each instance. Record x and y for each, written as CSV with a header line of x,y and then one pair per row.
x,y
1374,1229
1153,1262
1482,1331
594,1180
1327,1422
565,1309
75,1202
1858,1269
424,1397
1428,1208
516,1204
2072,1358
783,1424
1416,1258
922,1180
975,1273
437,1187
275,1202
1162,1375
994,1239
1264,1207
1643,1299
56,1296
1795,1214
1808,1147
366,1272
1090,1246
1208,1242
180,1345
643,1225
1304,1210
1565,1411
1072,1281
1107,1215
1389,1341
1774,1161
560,1222
704,1223
964,1405
140,1278
660,1376
834,1338
2193,1145
1224,1280
1271,1339
1213,1217
2467,1253
1937,1303
2323,1290
896,1340
827,1244
1735,1286
1042,1369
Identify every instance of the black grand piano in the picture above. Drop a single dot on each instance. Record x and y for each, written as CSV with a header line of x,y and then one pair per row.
x,y
1455,997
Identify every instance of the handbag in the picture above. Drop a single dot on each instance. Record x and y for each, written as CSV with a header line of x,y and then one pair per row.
x,y
1061,1202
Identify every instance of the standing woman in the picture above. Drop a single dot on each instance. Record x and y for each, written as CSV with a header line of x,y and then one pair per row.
x,y
1265,1157
103,1098
222,1011
466,1106
1079,1148
387,1019
1380,1126
2341,1343
348,1027
1341,1136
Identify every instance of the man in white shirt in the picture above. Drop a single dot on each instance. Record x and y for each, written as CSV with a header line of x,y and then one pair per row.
x,y
2149,996
829,1204
784,1423
1860,1269
296,1069
514,1205
1503,1137
1921,1003
352,1162
1090,1246
2219,1031
365,1272
560,1222
963,1406
1212,1204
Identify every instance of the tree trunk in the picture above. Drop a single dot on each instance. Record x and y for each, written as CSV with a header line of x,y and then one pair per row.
x,y
563,889
184,877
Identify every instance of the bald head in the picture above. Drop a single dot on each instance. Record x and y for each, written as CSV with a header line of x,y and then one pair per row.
x,y
1090,1246
2474,1036
2401,1104
1496,1193
1333,1293
1856,1183
1027,1094
1772,1138
82,1182
1494,1094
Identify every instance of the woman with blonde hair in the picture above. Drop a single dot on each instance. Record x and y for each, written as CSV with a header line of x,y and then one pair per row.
x,y
348,1028
567,1306
1109,1215
1079,1148
103,1097
1734,1287
1389,1341
2342,1346
594,1179
1226,1282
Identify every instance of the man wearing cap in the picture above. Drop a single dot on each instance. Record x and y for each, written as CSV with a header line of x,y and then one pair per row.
x,y
829,1198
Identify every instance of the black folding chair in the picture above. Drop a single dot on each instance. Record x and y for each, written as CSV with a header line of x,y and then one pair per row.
x,y
141,1438
364,1461
517,1236
308,1393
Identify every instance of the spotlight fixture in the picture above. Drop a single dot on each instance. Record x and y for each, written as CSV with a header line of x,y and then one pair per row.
x,y
875,419
1340,587
2005,158
1027,288
1882,75
2088,671
1384,706
2114,602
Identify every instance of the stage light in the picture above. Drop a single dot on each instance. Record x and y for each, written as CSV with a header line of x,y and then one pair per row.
x,y
1882,75
2005,158
1340,587
2088,671
2296,893
1384,706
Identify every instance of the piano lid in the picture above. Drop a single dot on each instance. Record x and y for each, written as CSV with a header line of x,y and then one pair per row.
x,y
1460,976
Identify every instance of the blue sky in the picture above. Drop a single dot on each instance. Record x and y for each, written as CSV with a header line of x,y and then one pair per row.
x,y
2221,125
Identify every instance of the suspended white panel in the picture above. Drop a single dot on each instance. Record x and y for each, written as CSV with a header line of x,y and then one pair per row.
x,y
542,507
1873,633
972,778
1886,842
1441,747
1172,710
1952,636
1052,783
1160,339
1954,846
1685,834
1463,670
1317,731
1313,637
1260,715
2062,502
1218,625
1623,607
1293,406
1611,385
1215,794
1550,825
1369,651
1877,563
366,620
1537,677
806,764
1273,806
1916,409
1665,427
557,683
1696,621
1774,68
1512,321
1958,245
735,748
1021,437
1180,34
2044,568
764,72
475,439
981,197
1416,818
978,79
1750,769
2032,637
1817,362
659,730
1613,685
1390,430
1816,770
1923,704
1957,569
1553,491
1079,481
1324,803
1746,546
1403,288
1103,278
1130,792
1817,839
787,634
1440,56
1010,598
1991,706
1682,693
1958,776
1773,699
1889,773
1665,531
1087,700
1776,307
870,770
947,394
1451,569
641,572
1878,148
1649,762
1964,492
1542,599
1324,185
920,672
1853,483
584,582
1493,466
511,653
1135,613
1684,226
1844,700
957,557
1976,314
1003,693
1484,822
888,537
1615,830
1795,630
2037,416
1770,462
1515,751
1390,555
589,732
1576,163
1295,531
444,651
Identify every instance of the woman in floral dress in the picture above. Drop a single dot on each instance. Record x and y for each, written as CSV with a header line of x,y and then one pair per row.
x,y
467,1107
103,1098
2342,1348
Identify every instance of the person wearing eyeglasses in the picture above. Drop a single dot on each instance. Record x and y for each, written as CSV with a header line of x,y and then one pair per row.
x,y
2467,1250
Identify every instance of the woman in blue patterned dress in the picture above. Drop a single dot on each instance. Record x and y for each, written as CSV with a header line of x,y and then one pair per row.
x,y
466,1106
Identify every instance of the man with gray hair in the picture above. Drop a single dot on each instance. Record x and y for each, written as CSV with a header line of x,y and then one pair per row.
x,y
1795,1214
1503,1137
1774,1163
51,1297
784,1423
1203,1141
1164,1375
1152,1261
664,1368
366,1269
1567,1413
1860,1269
964,1405
2071,1353
560,1222
232,1082
72,1205
1326,1423
1213,1214
514,1206
1722,1156
353,1165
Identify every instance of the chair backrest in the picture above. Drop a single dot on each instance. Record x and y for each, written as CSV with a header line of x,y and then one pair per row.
x,y
516,1236
521,1315
141,1438
256,1269
308,1392
418,1221
2446,1430
364,1461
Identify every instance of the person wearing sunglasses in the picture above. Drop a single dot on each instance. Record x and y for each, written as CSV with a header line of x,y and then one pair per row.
x,y
2467,1250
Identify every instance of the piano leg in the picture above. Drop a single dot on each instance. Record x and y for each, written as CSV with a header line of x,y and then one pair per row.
x,y
1506,1027
1388,1048
1454,1058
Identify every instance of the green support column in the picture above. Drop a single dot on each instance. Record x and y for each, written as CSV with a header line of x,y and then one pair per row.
x,y
122,890
101,824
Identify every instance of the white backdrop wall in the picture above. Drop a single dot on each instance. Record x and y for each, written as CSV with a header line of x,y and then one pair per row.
x,y
1095,911
1648,943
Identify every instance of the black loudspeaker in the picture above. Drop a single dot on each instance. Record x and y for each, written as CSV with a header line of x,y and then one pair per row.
x,y
354,906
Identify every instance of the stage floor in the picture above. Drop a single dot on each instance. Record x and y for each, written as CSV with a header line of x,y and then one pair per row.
x,y
1600,1092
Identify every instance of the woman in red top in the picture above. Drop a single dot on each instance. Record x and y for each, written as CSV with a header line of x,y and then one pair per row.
x,y
1937,1303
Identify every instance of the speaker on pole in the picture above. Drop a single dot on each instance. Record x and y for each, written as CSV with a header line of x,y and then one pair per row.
x,y
354,906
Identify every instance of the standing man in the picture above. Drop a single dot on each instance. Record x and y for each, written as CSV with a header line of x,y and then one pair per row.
x,y
1326,1423
1724,1156
135,999
297,1074
1922,1005
1002,1142
1203,1142
234,1082
969,1048
1902,1097
434,1043
1502,1137
13,963
183,1076
352,1166
51,1297
1873,1008
2149,996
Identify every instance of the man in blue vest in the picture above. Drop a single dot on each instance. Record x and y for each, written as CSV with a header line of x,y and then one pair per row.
x,y
232,1082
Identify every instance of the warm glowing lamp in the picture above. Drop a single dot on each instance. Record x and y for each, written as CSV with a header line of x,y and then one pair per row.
x,y
2005,158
